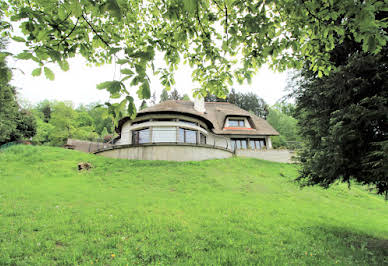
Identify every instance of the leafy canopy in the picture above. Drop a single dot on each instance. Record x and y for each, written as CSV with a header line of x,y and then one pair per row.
x,y
223,40
343,123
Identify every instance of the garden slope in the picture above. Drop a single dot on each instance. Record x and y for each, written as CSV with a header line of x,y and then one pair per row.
x,y
232,211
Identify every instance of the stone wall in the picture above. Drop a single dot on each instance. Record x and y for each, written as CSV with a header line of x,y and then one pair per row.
x,y
166,152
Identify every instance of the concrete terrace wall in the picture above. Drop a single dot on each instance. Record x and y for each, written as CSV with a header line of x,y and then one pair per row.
x,y
281,156
166,152
86,146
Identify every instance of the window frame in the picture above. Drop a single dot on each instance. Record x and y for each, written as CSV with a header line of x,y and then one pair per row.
x,y
185,130
240,122
240,144
136,136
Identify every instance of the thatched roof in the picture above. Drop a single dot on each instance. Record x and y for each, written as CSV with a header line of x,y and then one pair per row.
x,y
215,115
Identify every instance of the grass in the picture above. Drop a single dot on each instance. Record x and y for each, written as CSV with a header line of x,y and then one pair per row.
x,y
231,212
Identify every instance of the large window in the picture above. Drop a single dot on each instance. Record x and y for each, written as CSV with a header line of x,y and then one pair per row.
x,y
141,136
236,123
239,144
164,134
257,144
187,135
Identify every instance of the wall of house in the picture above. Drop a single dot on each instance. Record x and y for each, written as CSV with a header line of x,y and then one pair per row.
x,y
282,156
167,152
219,141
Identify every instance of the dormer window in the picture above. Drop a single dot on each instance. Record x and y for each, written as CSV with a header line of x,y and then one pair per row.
x,y
236,123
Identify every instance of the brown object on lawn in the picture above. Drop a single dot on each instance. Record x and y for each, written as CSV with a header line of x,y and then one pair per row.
x,y
84,166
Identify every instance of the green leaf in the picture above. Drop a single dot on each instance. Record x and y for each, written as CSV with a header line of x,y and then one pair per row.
x,y
64,65
76,8
190,5
48,73
144,91
37,72
127,71
131,107
18,39
24,56
114,50
113,87
122,61
103,85
114,9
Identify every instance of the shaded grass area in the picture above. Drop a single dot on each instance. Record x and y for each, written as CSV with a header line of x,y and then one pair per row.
x,y
232,211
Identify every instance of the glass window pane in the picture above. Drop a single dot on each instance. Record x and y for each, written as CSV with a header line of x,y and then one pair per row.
x,y
252,144
238,144
233,143
181,136
191,136
241,123
164,134
262,144
233,123
243,144
258,146
144,136
188,122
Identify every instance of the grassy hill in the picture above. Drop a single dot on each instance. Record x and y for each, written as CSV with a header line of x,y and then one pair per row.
x,y
233,211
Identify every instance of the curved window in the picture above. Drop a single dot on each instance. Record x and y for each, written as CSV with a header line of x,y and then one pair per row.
x,y
164,134
141,136
187,135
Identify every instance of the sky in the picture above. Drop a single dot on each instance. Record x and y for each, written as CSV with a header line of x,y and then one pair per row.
x,y
79,83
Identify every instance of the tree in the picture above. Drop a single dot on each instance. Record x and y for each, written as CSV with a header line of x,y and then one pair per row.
x,y
45,109
164,96
173,95
343,120
15,123
285,125
153,98
185,97
206,34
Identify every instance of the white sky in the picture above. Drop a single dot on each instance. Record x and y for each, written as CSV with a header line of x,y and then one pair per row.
x,y
79,83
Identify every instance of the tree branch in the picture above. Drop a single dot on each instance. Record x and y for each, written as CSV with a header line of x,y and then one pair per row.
x,y
226,24
98,35
68,35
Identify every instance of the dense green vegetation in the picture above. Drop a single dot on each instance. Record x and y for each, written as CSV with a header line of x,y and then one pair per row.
x,y
233,211
343,119
15,122
57,121
280,118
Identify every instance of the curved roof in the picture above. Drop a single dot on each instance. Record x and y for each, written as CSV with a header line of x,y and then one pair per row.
x,y
215,115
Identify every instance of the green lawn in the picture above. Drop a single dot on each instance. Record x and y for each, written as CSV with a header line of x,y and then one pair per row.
x,y
232,211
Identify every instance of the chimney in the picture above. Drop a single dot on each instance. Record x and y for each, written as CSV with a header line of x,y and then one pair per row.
x,y
199,104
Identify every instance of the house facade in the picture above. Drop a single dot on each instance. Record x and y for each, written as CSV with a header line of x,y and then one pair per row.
x,y
189,131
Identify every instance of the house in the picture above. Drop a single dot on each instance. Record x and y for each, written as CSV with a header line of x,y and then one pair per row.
x,y
189,131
